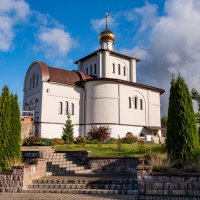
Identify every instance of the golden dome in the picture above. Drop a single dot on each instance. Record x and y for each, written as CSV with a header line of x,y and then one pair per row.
x,y
106,36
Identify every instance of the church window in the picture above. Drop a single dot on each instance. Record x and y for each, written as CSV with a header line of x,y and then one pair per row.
x,y
60,107
86,70
129,102
113,67
124,71
30,86
72,105
141,104
33,80
119,69
90,69
37,79
95,69
136,102
66,108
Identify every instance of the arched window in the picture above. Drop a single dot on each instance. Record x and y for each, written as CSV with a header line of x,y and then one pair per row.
x,y
33,80
136,102
66,108
129,102
37,79
60,108
30,86
90,69
141,104
95,69
86,70
113,67
72,105
124,71
119,69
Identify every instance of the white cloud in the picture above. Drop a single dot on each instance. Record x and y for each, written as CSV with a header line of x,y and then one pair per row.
x,y
174,44
55,42
138,52
12,12
147,15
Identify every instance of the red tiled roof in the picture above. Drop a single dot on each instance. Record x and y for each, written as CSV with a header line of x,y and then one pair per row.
x,y
67,77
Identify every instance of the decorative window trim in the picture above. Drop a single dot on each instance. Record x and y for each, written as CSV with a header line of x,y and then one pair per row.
x,y
60,111
66,108
91,70
119,69
37,79
30,86
136,102
141,104
95,69
124,71
113,68
72,108
129,102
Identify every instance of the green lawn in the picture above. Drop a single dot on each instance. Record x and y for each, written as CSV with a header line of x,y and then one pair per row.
x,y
112,149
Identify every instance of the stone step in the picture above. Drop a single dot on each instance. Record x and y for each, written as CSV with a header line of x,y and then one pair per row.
x,y
82,191
82,181
83,186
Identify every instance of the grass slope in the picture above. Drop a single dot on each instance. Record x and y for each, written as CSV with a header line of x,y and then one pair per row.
x,y
112,149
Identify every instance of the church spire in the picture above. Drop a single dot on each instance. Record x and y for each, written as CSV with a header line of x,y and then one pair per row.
x,y
106,38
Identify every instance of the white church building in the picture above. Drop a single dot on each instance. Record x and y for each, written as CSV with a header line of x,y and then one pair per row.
x,y
103,91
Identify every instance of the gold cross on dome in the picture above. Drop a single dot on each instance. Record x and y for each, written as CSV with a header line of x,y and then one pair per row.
x,y
107,15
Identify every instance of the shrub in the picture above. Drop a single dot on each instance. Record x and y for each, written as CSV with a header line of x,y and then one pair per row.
x,y
161,164
57,141
129,139
37,141
101,133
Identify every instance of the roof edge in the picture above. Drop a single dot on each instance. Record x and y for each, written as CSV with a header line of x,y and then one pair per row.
x,y
161,91
112,52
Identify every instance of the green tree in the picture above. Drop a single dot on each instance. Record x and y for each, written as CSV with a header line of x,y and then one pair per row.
x,y
5,118
164,121
68,131
15,129
182,137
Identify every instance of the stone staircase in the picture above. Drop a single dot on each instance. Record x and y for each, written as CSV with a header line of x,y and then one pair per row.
x,y
58,164
93,184
67,174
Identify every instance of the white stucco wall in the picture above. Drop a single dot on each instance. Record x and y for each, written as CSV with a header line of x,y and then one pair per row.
x,y
104,61
53,94
107,102
33,94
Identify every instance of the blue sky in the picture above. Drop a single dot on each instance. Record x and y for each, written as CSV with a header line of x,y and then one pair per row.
x,y
164,34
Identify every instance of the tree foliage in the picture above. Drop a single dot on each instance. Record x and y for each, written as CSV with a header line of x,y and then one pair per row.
x,y
164,121
68,131
10,129
182,134
15,129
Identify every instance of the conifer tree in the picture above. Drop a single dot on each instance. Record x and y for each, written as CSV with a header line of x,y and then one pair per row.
x,y
5,117
182,134
68,131
15,129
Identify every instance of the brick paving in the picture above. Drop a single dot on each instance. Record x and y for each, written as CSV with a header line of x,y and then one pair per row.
x,y
27,196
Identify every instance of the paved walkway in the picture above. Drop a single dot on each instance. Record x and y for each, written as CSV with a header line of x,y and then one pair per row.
x,y
29,196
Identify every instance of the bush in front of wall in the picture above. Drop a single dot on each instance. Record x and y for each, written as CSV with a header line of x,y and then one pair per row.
x,y
37,141
129,138
101,133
